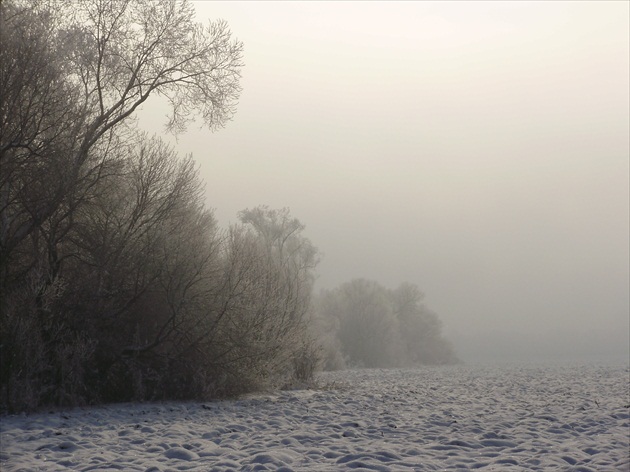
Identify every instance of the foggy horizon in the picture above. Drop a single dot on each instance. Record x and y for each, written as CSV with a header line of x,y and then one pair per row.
x,y
477,150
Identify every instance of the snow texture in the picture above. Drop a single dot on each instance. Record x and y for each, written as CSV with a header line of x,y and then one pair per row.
x,y
449,418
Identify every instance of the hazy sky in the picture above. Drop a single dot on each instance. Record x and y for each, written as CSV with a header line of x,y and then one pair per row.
x,y
478,150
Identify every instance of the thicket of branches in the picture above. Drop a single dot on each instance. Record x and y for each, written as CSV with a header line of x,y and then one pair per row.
x,y
115,282
367,325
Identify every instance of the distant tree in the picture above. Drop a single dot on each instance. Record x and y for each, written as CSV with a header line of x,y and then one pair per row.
x,y
420,328
367,325
368,329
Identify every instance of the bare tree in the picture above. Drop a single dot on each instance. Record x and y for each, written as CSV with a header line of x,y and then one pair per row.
x,y
269,272
74,72
149,248
39,121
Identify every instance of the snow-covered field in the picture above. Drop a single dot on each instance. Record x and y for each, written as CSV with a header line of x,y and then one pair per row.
x,y
449,418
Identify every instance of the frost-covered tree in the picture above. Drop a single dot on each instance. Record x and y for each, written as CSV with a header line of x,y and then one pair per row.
x,y
270,267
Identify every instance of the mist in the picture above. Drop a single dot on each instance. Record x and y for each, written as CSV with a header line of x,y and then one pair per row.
x,y
479,150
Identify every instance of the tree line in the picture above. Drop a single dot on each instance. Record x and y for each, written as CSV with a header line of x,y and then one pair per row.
x,y
116,283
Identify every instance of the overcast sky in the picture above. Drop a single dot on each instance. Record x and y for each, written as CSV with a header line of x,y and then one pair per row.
x,y
478,150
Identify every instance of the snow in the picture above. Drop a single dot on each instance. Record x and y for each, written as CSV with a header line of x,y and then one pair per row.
x,y
569,417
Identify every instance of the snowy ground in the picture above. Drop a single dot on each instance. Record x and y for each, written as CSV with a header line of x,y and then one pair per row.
x,y
454,418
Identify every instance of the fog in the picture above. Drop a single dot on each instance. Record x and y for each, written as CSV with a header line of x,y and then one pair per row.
x,y
477,150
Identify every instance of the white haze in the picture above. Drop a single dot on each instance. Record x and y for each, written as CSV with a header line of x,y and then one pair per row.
x,y
477,150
